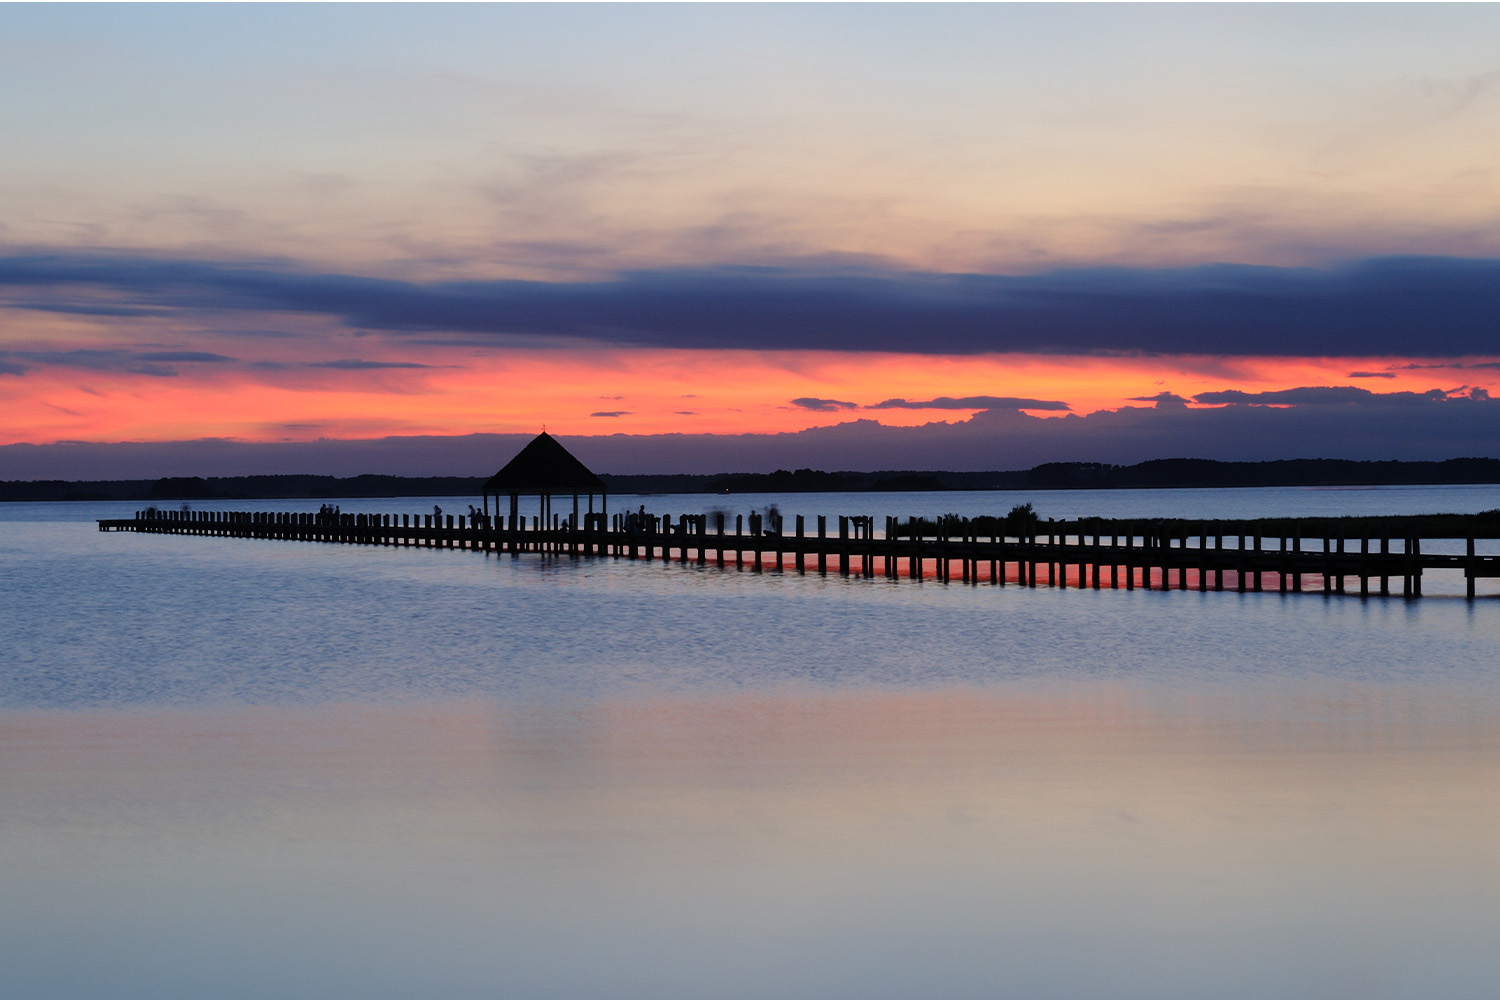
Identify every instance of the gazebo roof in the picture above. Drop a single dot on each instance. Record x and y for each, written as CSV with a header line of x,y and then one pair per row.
x,y
544,466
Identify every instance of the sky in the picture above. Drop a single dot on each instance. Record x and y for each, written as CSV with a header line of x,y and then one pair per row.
x,y
701,238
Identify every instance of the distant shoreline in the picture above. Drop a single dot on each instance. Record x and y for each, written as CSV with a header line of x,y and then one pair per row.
x,y
1174,473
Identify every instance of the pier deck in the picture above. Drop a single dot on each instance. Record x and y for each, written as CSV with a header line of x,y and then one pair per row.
x,y
1373,555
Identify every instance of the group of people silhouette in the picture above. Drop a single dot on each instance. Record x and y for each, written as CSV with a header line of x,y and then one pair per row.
x,y
639,522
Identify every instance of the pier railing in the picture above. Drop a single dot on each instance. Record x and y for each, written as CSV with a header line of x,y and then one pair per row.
x,y
1373,554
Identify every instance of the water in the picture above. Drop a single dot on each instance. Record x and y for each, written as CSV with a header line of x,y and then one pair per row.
x,y
239,768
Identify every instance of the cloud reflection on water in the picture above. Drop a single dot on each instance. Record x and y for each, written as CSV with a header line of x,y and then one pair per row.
x,y
1095,839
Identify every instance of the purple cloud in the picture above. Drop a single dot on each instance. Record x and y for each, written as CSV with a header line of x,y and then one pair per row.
x,y
823,405
1161,399
1313,395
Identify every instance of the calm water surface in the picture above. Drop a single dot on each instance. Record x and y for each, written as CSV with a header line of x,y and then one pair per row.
x,y
237,768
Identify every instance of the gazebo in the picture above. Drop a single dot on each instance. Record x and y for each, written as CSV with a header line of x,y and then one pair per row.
x,y
546,469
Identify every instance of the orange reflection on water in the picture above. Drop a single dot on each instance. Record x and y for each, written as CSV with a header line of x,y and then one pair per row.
x,y
989,750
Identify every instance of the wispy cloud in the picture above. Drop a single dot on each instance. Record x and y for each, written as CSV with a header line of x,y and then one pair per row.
x,y
90,359
84,309
1451,365
197,356
160,363
359,364
971,403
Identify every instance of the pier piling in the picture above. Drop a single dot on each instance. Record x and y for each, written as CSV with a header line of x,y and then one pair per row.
x,y
1074,553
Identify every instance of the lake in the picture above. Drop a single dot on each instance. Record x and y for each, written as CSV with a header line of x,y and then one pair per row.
x,y
239,768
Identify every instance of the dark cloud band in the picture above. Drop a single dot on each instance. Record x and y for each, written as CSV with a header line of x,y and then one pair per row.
x,y
1418,307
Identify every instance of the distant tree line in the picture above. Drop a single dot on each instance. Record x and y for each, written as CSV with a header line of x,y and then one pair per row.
x,y
1158,474
1200,472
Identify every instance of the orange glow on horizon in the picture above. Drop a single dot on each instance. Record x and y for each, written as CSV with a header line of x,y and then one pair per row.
x,y
463,390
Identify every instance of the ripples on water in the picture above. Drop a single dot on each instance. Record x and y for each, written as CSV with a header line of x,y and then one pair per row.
x,y
240,768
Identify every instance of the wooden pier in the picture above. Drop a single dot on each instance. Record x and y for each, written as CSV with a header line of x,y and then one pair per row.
x,y
1365,555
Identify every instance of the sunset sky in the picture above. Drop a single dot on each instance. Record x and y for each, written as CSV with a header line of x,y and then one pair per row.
x,y
741,237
